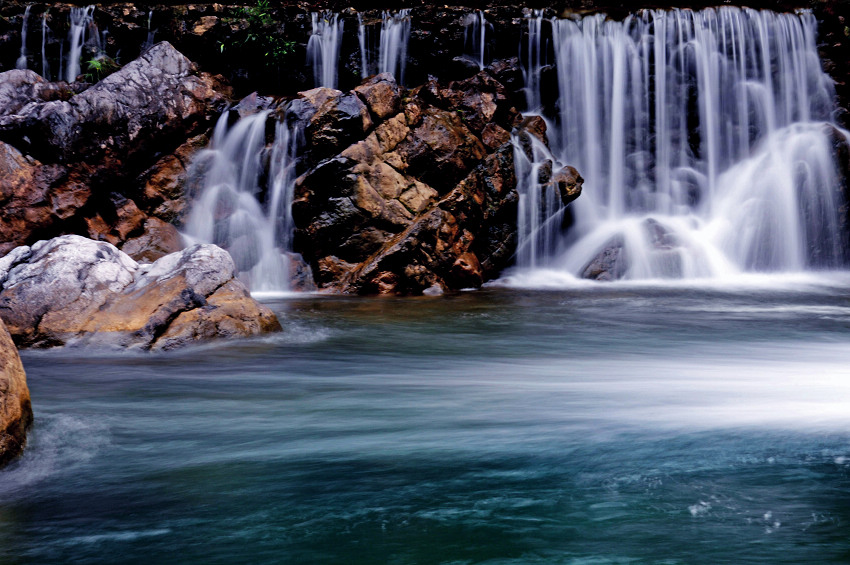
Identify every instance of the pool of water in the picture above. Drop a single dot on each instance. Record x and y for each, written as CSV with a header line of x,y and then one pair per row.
x,y
582,425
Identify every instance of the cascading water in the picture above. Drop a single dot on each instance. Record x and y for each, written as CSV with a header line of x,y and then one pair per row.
x,y
706,142
81,19
323,48
151,33
475,37
21,63
239,206
386,53
395,34
45,32
533,61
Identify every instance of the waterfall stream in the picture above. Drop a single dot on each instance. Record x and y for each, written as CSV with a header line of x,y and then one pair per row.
x,y
475,37
323,48
387,52
244,198
705,139
21,63
81,19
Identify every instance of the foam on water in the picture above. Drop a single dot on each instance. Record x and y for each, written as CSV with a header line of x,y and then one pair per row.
x,y
57,444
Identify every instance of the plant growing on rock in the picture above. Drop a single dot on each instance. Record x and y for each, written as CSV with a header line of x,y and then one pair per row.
x,y
100,67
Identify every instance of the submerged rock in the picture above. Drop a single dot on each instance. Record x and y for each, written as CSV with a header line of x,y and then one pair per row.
x,y
75,290
15,405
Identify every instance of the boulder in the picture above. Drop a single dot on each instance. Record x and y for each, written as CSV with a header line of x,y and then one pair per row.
x,y
381,94
15,405
330,119
421,202
71,290
102,161
158,96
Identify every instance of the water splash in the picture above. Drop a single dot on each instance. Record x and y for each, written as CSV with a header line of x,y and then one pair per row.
x,y
244,199
21,63
323,47
706,141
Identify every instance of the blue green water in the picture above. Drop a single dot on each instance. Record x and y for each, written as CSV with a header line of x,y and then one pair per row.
x,y
586,426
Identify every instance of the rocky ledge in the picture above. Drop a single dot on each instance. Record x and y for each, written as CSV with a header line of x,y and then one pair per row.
x,y
73,290
15,405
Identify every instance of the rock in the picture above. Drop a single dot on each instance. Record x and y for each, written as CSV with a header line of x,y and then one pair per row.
x,y
568,182
330,119
158,96
158,240
15,405
420,202
75,290
381,94
610,264
442,150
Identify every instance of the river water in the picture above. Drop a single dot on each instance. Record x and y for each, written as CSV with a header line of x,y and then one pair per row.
x,y
583,424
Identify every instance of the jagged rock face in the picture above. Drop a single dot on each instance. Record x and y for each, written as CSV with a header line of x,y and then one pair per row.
x,y
15,405
421,201
75,290
92,162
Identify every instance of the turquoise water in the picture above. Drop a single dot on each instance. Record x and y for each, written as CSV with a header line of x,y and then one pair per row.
x,y
593,425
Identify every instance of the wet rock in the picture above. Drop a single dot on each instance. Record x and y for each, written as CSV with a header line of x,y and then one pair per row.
x,y
72,290
381,94
331,119
568,182
610,264
15,404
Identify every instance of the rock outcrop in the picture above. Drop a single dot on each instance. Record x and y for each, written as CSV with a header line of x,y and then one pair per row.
x,y
72,290
15,405
424,201
102,160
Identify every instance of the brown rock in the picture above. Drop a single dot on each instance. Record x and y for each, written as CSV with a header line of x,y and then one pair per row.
x,y
15,405
381,94
494,136
441,151
229,312
158,240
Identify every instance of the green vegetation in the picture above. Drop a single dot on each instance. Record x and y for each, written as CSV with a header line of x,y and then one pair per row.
x,y
262,37
100,67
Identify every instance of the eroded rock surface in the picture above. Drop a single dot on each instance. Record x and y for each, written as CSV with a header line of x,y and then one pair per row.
x,y
75,290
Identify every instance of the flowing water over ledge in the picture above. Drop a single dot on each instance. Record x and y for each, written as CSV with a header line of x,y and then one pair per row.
x,y
607,424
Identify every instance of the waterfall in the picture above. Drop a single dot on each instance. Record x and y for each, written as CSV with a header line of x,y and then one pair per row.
x,y
533,61
706,141
540,210
475,37
21,63
45,32
244,198
151,33
81,19
323,48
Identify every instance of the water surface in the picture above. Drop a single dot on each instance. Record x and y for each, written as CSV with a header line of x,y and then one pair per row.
x,y
592,424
